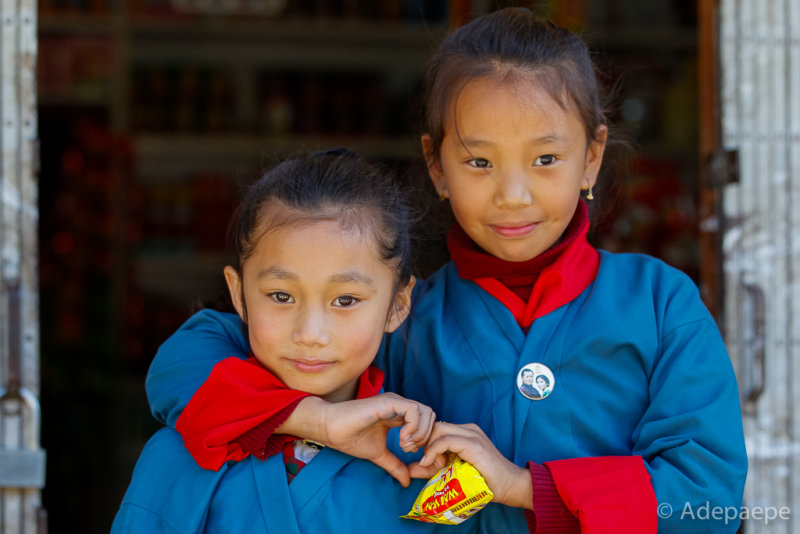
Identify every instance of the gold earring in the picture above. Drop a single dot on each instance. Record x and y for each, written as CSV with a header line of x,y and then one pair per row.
x,y
589,195
441,196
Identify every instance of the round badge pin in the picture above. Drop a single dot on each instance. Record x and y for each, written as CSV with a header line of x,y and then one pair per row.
x,y
535,381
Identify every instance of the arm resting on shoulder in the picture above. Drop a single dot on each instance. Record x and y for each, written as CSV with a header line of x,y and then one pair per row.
x,y
185,360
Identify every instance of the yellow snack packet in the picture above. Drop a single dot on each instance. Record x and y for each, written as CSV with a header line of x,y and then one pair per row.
x,y
451,496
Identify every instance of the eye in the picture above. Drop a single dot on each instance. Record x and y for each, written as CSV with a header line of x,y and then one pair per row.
x,y
544,161
479,163
281,297
345,301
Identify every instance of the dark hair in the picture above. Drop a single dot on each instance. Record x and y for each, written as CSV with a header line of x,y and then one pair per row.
x,y
544,377
335,184
513,44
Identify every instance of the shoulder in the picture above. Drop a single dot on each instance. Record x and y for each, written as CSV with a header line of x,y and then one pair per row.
x,y
432,289
207,319
642,278
164,455
633,262
168,487
438,293
637,270
207,330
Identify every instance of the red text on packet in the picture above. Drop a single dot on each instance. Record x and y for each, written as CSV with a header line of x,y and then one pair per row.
x,y
445,498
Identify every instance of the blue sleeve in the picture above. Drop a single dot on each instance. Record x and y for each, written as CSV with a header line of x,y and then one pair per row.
x,y
691,435
168,493
184,361
131,519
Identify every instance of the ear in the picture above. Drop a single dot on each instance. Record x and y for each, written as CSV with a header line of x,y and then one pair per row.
x,y
400,307
594,156
235,290
434,165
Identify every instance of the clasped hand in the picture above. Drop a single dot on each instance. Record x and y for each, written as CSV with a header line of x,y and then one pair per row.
x,y
359,428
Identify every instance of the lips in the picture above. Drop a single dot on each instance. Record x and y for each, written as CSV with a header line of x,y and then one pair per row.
x,y
514,229
308,365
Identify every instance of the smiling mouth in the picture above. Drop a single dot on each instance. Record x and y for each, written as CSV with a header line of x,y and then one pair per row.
x,y
514,230
310,365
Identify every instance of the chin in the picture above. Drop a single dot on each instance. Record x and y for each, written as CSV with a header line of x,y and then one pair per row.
x,y
516,256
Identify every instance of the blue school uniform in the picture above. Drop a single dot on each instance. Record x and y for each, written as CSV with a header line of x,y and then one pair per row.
x,y
638,363
640,369
334,492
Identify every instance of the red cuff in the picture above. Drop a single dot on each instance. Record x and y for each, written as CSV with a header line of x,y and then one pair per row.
x,y
261,441
550,514
238,396
608,494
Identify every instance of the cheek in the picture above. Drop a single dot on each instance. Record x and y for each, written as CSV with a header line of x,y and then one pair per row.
x,y
263,332
467,208
559,198
370,337
363,341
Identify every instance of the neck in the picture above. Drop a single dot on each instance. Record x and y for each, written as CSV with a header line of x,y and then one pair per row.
x,y
344,393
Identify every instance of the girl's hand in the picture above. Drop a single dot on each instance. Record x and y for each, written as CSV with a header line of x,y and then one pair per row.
x,y
510,483
359,428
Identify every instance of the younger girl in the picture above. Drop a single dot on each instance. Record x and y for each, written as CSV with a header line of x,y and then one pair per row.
x,y
640,428
323,272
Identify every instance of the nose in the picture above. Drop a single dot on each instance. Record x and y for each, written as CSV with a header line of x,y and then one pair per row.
x,y
513,190
311,328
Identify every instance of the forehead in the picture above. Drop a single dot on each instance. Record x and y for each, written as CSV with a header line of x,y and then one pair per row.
x,y
313,248
359,220
519,102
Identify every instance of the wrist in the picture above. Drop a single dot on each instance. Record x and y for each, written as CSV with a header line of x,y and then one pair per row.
x,y
520,491
307,421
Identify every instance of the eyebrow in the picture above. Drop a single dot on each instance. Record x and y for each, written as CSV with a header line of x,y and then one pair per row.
x,y
278,273
351,276
479,143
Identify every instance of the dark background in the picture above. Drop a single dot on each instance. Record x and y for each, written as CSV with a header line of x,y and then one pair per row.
x,y
153,113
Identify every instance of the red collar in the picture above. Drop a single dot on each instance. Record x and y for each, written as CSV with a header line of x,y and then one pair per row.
x,y
369,383
555,277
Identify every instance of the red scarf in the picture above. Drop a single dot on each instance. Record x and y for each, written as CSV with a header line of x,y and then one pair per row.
x,y
533,288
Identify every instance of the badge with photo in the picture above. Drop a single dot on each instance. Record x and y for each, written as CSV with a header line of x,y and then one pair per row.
x,y
535,381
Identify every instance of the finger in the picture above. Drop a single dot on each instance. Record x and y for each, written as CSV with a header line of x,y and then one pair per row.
x,y
425,471
429,430
411,439
397,406
441,429
392,465
413,415
462,445
397,420
419,471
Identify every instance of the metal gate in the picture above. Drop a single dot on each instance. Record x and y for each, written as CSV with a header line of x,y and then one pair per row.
x,y
759,47
22,462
